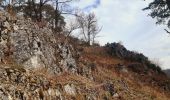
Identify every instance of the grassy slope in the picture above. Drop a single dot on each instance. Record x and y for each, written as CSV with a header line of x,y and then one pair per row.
x,y
125,83
128,85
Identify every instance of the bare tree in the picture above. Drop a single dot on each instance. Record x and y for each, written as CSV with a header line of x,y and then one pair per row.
x,y
60,9
88,26
71,27
95,31
41,4
69,30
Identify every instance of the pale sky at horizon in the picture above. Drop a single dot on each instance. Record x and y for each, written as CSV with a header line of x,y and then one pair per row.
x,y
124,20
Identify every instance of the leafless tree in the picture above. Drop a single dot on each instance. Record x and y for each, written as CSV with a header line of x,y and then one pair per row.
x,y
95,31
60,9
71,27
89,26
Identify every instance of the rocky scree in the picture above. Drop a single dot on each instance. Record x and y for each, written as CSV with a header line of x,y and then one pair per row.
x,y
18,85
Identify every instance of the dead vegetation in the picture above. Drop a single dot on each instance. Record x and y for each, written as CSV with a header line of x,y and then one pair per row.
x,y
104,76
128,84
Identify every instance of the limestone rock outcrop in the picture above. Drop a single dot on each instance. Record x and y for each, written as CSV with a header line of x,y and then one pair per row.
x,y
24,42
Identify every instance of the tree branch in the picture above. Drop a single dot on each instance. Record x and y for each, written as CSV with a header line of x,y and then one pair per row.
x,y
167,31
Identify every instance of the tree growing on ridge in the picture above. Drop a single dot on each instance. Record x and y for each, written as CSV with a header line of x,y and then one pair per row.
x,y
43,9
88,25
61,8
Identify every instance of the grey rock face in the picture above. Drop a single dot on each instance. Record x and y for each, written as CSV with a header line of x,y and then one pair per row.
x,y
25,43
25,50
67,61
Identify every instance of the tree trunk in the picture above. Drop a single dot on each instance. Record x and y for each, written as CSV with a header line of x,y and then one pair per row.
x,y
56,16
88,33
88,38
35,10
40,10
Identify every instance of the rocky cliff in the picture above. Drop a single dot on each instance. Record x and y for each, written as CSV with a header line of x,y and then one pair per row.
x,y
24,47
36,65
25,43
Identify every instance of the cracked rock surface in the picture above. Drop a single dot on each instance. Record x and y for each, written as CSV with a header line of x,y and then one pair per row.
x,y
22,41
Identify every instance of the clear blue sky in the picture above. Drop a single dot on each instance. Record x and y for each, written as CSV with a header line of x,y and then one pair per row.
x,y
124,20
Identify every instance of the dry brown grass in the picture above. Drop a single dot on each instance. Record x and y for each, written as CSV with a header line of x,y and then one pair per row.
x,y
98,55
105,71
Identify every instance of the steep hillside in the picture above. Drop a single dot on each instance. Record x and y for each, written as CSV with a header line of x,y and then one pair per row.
x,y
38,64
140,80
